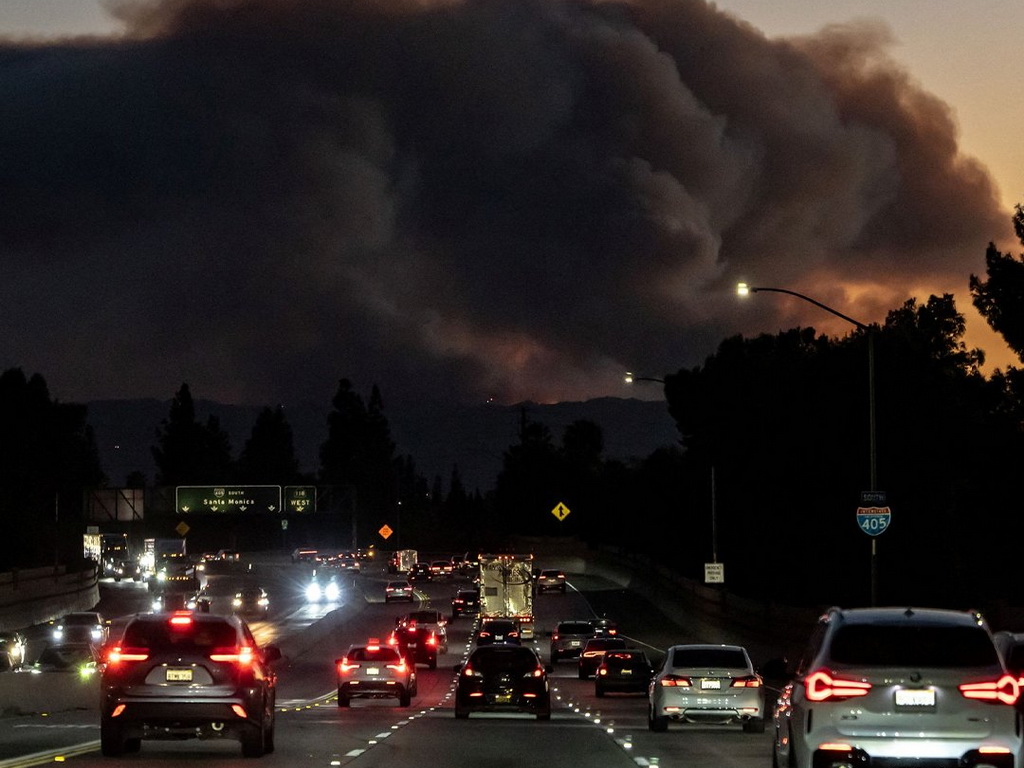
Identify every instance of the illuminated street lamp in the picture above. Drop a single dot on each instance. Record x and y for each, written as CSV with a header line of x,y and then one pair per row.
x,y
630,377
743,289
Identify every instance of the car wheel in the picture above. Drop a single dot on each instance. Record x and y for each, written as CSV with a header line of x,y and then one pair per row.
x,y
112,743
132,746
460,713
404,699
252,738
598,690
343,700
554,657
432,662
583,674
657,723
754,725
546,715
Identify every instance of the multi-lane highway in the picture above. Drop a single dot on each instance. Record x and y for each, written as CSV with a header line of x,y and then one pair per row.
x,y
312,731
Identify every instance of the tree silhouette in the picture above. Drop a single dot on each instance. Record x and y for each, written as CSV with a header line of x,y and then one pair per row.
x,y
1000,298
190,453
269,454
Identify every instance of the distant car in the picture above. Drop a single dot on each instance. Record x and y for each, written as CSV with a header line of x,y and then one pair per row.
x,y
81,658
593,653
12,649
229,555
503,677
420,572
498,631
251,601
80,627
418,644
304,555
441,569
322,589
603,626
466,601
187,675
433,620
200,601
551,580
375,671
882,686
712,684
623,671
350,564
171,601
399,590
568,639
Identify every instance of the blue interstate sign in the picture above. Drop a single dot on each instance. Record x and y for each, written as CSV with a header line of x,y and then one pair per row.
x,y
873,520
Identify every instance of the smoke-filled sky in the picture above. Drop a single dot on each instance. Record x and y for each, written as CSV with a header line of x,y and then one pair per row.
x,y
508,199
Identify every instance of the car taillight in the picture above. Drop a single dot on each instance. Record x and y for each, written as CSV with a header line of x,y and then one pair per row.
x,y
242,656
821,686
432,640
392,639
554,635
468,671
399,667
602,670
484,633
344,667
119,654
513,634
1005,690
675,681
535,672
591,654
747,682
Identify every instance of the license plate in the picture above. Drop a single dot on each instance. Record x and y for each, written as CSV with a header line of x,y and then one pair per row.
x,y
373,670
915,697
499,637
627,671
574,643
503,699
179,676
710,684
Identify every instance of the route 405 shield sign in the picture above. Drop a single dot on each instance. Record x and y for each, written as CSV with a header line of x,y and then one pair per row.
x,y
873,520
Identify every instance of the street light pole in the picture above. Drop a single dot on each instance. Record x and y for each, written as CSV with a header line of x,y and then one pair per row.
x,y
743,290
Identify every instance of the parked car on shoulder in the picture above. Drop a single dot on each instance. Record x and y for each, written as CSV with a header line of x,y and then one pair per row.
x,y
80,658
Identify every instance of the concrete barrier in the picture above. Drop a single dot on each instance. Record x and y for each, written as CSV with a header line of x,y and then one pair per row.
x,y
23,693
38,595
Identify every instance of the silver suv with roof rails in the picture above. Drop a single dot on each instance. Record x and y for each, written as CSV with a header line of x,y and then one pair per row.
x,y
899,688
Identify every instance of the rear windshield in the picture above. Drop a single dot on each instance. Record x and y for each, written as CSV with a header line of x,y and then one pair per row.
x,y
575,628
916,646
384,655
501,659
625,657
427,617
79,619
159,635
603,643
712,658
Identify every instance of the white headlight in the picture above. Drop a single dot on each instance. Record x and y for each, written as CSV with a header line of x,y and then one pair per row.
x,y
332,591
313,592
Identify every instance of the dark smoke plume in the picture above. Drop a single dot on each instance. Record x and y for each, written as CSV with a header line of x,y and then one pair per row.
x,y
507,198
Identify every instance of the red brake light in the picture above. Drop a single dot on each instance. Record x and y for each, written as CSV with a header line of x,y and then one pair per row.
x,y
181,620
399,667
432,640
747,682
119,654
821,686
241,655
1005,690
675,681
554,635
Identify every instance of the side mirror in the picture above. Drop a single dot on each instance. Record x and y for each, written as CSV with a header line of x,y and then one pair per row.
x,y
548,669
271,653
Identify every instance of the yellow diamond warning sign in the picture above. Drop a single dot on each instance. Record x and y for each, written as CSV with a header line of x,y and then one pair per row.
x,y
385,531
561,511
182,528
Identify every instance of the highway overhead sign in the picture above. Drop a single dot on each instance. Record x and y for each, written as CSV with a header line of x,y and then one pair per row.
x,y
249,499
873,520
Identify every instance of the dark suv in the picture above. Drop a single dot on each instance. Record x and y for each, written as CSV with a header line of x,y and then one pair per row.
x,y
187,675
503,677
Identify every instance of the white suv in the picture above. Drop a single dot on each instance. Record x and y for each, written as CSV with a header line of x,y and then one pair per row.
x,y
899,687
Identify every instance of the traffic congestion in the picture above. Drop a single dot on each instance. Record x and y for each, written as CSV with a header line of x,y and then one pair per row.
x,y
545,664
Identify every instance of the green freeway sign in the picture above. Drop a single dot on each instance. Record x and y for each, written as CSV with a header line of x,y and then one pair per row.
x,y
300,498
227,498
